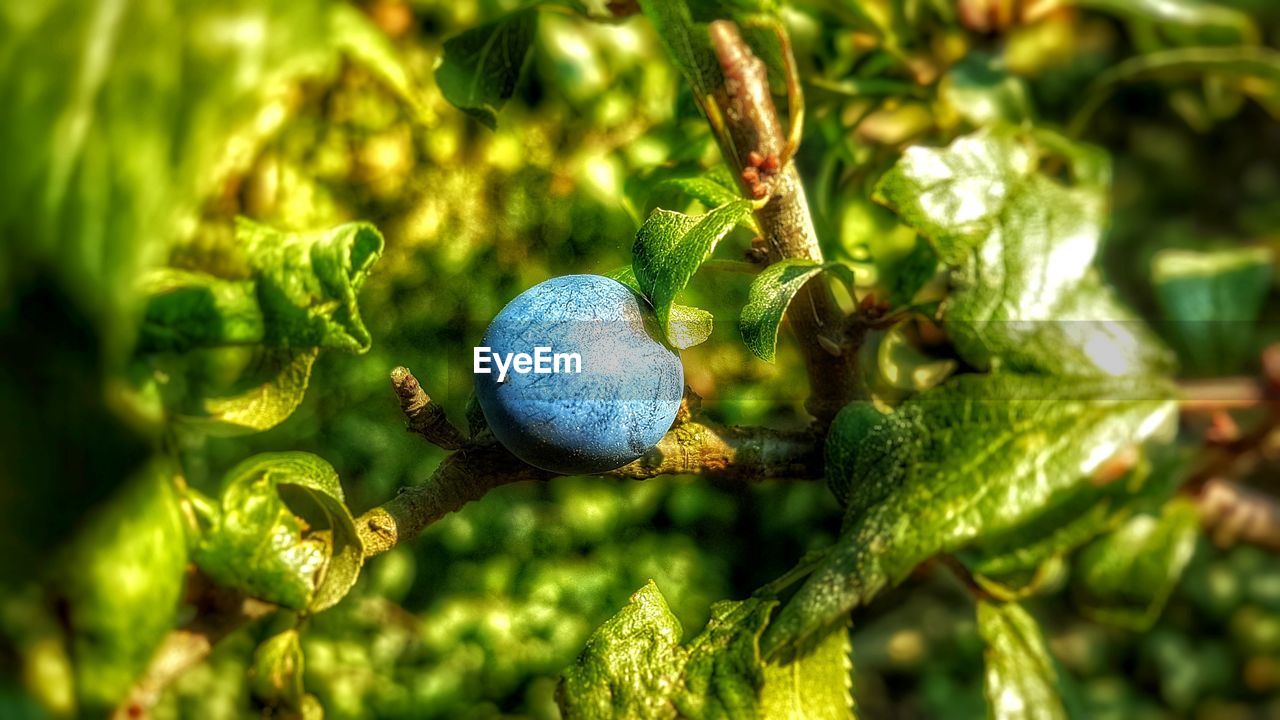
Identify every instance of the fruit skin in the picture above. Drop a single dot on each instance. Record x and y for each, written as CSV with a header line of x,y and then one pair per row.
x,y
621,403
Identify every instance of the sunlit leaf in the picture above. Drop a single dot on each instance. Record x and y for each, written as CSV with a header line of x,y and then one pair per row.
x,y
1021,679
635,666
1020,247
630,665
119,129
302,294
1017,560
688,325
264,405
771,292
816,686
285,534
712,189
481,66
973,458
670,247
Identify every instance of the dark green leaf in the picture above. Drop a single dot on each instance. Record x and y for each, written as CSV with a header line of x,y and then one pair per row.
x,y
481,66
1212,300
670,247
1124,578
301,294
277,671
771,292
1020,248
285,534
1182,63
982,93
1021,679
122,579
973,458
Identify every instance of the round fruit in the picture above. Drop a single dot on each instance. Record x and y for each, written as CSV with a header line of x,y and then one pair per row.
x,y
572,377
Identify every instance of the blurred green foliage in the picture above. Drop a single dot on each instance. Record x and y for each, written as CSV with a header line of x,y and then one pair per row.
x,y
136,132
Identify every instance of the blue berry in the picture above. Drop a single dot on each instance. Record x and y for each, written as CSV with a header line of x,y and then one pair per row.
x,y
619,403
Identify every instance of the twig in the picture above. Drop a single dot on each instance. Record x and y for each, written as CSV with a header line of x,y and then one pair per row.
x,y
691,447
747,128
424,416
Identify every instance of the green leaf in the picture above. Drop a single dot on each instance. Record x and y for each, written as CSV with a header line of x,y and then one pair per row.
x,y
904,367
1020,248
770,294
817,686
669,248
1126,577
635,666
630,665
1021,679
703,188
264,405
974,458
285,534
712,189
979,90
481,66
277,671
122,579
119,130
301,294
1197,16
689,326
724,676
1187,63
1212,300
687,44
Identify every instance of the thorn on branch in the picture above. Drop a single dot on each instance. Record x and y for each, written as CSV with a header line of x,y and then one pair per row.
x,y
424,416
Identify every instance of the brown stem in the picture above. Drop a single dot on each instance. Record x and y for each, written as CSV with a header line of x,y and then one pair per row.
x,y
425,417
748,130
